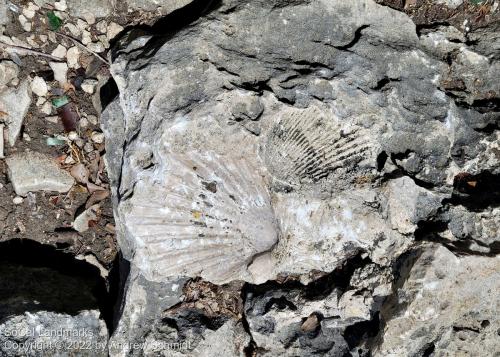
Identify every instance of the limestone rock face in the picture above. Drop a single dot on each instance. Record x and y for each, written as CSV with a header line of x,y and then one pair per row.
x,y
303,148
447,308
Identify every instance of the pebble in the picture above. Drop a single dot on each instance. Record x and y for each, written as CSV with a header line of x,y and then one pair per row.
x,y
17,200
92,119
47,108
32,171
60,51
88,86
52,119
72,55
81,223
86,38
61,5
97,137
15,102
101,26
8,72
25,24
89,17
29,13
60,71
83,122
113,30
39,87
72,135
88,147
74,30
96,47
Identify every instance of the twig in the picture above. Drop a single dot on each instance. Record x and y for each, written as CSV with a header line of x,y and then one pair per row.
x,y
28,51
79,44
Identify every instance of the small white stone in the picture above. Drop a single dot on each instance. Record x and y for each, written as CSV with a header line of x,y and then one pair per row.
x,y
113,30
72,136
88,147
28,13
8,72
86,38
43,38
39,87
17,200
88,86
89,17
92,119
52,37
69,160
101,26
97,137
60,71
61,5
53,119
40,101
47,109
60,51
96,47
73,55
82,25
25,24
74,30
26,137
83,123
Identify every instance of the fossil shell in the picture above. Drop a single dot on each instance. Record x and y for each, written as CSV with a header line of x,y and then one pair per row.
x,y
211,216
306,145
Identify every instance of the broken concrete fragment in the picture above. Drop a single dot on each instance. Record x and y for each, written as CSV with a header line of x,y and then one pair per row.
x,y
30,172
15,103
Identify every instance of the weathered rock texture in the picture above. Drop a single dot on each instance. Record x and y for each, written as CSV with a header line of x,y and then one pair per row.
x,y
306,149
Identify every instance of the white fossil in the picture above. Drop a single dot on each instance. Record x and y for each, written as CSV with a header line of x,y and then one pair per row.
x,y
212,215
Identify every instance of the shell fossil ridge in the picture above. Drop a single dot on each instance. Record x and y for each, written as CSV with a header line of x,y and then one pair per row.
x,y
306,145
211,217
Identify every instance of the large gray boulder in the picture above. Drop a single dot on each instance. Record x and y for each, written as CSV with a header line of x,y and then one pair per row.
x,y
311,143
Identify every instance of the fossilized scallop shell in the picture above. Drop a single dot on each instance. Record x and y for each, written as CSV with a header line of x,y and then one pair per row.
x,y
306,145
209,217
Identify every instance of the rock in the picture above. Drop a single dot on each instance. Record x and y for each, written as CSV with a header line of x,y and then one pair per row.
x,y
73,56
88,86
446,307
81,223
15,102
17,200
60,52
48,308
112,30
97,137
61,5
92,8
60,70
25,23
8,72
39,87
40,329
31,172
163,8
308,161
